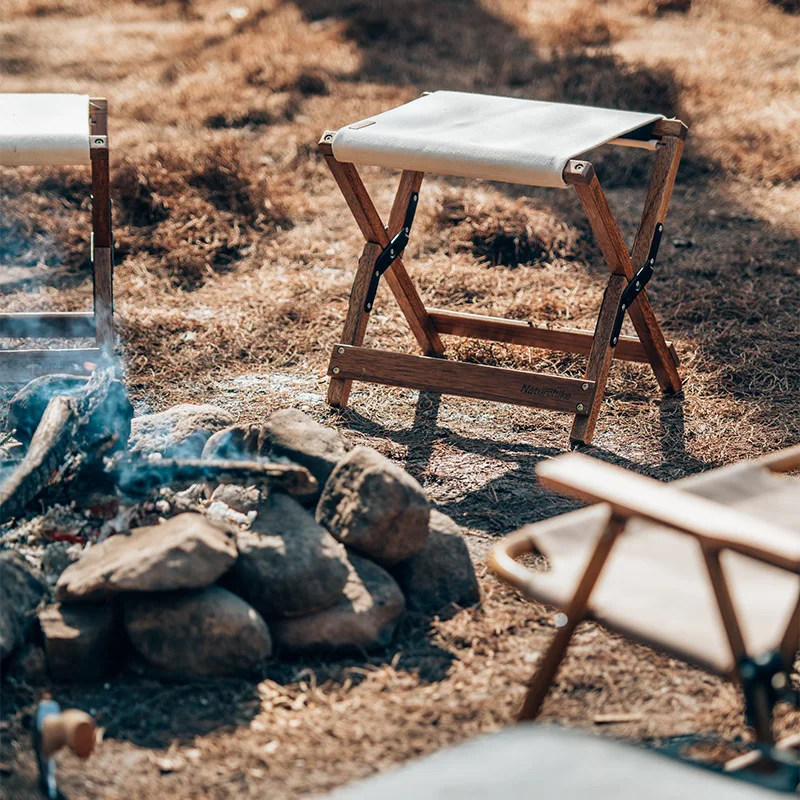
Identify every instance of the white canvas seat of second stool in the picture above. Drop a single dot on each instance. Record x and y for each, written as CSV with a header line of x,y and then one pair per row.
x,y
48,129
482,136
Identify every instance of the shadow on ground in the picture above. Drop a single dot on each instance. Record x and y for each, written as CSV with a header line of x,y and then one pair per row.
x,y
513,499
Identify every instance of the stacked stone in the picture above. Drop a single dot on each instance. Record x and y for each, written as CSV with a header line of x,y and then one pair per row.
x,y
195,597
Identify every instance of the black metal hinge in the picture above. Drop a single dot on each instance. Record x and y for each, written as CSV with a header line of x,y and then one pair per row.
x,y
765,681
392,250
638,282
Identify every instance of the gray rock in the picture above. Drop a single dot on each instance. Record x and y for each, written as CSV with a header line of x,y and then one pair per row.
x,y
364,618
441,573
240,498
57,557
374,507
185,552
81,641
298,437
211,632
288,564
178,432
21,591
289,434
236,442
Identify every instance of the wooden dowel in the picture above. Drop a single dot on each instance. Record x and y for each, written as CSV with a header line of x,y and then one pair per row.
x,y
71,728
461,379
514,331
56,325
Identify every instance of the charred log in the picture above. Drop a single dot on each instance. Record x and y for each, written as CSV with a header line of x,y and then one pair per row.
x,y
137,478
74,433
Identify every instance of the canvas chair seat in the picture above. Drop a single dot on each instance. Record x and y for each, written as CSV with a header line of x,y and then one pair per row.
x,y
38,129
655,586
482,136
547,762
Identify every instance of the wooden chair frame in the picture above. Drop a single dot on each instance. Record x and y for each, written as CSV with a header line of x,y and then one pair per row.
x,y
430,372
716,528
19,365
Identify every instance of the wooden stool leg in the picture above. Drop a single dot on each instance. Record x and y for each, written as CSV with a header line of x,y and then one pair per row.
x,y
600,358
355,324
790,644
575,612
369,221
609,239
102,257
655,210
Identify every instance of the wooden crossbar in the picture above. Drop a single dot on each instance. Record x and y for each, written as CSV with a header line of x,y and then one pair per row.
x,y
465,380
513,331
58,324
26,364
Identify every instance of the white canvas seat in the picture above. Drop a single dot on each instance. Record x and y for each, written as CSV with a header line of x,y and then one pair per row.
x,y
656,589
44,129
482,136
532,762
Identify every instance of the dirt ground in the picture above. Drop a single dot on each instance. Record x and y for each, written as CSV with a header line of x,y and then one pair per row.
x,y
235,257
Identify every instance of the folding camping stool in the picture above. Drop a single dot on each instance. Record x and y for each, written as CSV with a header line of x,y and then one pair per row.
x,y
706,569
516,141
62,129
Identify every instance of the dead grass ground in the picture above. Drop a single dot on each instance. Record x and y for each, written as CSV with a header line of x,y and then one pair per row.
x,y
236,256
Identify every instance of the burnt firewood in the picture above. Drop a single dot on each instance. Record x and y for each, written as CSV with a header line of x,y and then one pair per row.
x,y
76,430
137,478
48,449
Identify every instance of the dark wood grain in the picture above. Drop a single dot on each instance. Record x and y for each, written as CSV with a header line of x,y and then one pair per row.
x,y
599,359
397,278
514,331
457,378
355,324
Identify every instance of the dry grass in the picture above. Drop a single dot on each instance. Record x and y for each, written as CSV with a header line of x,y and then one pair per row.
x,y
497,230
193,212
235,260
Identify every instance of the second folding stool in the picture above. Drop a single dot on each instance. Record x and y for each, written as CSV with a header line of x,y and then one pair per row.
x,y
517,141
62,130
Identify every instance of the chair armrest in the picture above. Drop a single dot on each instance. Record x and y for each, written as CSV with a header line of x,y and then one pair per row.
x,y
503,555
631,495
783,461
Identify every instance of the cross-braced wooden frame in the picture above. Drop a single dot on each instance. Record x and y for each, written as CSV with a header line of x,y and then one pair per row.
x,y
431,372
718,529
19,365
